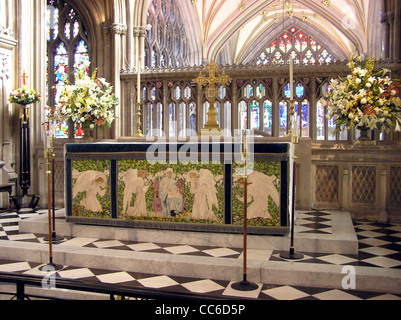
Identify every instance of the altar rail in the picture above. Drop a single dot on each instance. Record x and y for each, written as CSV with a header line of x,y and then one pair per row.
x,y
22,281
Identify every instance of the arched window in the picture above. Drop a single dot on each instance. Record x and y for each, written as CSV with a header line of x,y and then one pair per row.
x,y
165,45
255,106
298,44
67,48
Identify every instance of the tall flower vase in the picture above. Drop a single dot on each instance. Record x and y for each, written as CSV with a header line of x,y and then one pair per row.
x,y
89,134
364,131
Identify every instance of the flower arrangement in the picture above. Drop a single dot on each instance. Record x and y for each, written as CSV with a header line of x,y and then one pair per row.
x,y
88,103
365,100
24,96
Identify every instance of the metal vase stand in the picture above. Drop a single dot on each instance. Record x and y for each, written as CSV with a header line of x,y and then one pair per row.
x,y
25,165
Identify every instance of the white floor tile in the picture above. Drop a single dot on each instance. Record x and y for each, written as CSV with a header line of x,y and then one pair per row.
x,y
378,251
78,242
158,282
23,236
383,262
370,234
11,228
337,259
15,267
108,244
285,293
118,277
203,286
76,273
373,242
143,246
220,252
181,249
335,295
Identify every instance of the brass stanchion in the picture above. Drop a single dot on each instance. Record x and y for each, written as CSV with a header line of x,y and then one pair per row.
x,y
49,156
55,237
291,254
245,285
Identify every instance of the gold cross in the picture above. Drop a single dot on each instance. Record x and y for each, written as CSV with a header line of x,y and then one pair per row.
x,y
212,92
24,78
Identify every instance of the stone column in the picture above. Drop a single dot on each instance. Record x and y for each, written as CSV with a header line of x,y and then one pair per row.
x,y
118,31
234,107
7,172
276,109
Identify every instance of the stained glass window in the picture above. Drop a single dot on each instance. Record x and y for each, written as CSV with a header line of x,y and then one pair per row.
x,y
283,118
298,44
255,108
268,117
320,121
67,48
243,111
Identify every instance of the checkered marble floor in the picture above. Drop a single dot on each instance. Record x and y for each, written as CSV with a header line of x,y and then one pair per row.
x,y
379,248
313,222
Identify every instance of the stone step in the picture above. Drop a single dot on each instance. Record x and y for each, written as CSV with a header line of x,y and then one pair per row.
x,y
260,269
343,239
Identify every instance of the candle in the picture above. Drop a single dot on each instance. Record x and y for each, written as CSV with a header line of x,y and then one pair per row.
x,y
292,78
49,136
295,126
139,82
245,144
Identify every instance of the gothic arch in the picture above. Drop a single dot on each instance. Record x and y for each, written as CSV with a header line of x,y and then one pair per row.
x,y
96,14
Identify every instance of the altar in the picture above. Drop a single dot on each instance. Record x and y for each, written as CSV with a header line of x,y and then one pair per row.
x,y
184,186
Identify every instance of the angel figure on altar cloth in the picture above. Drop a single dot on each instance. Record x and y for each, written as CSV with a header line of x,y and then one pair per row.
x,y
94,183
135,184
260,187
172,198
203,186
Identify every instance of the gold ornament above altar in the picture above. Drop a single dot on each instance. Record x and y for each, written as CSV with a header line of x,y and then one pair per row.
x,y
212,127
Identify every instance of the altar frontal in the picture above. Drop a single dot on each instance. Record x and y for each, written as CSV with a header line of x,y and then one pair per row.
x,y
179,186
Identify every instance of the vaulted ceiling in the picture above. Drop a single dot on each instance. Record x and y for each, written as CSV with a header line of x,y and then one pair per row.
x,y
236,27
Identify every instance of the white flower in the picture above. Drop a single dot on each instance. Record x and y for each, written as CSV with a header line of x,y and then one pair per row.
x,y
397,126
385,71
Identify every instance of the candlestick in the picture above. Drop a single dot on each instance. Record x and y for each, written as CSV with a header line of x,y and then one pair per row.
x,y
292,78
245,147
139,82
